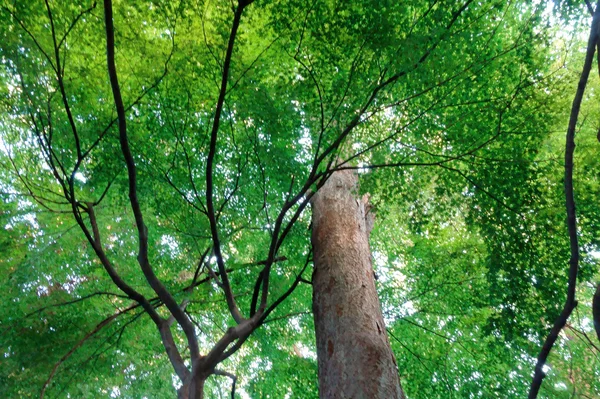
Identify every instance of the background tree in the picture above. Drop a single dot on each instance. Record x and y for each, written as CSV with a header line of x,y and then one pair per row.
x,y
172,182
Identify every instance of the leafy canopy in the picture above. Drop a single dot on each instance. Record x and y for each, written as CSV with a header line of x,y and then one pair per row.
x,y
452,113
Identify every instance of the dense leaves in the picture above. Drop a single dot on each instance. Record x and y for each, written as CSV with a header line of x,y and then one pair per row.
x,y
452,113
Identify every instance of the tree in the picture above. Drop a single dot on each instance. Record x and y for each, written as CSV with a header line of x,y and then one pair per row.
x,y
355,358
159,158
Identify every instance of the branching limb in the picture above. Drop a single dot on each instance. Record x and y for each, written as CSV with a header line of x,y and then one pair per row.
x,y
289,291
200,208
201,264
388,82
233,308
95,240
143,259
42,201
329,152
44,141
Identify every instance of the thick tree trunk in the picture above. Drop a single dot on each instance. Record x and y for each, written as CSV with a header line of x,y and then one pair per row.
x,y
354,355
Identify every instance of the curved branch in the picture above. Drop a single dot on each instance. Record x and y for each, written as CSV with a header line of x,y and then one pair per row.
x,y
289,291
35,41
570,302
143,259
233,308
233,380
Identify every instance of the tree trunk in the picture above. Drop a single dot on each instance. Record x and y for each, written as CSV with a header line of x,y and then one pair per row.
x,y
354,355
192,389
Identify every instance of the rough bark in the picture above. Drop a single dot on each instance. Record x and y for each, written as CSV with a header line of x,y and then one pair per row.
x,y
354,355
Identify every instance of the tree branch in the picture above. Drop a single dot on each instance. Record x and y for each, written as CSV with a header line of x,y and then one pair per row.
x,y
61,84
143,260
233,308
83,298
74,22
570,302
233,380
90,334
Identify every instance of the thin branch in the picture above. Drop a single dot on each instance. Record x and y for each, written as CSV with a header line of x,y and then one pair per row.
x,y
199,267
99,200
287,316
97,352
90,334
289,291
188,162
570,302
184,196
61,84
74,22
483,190
318,87
234,85
233,380
233,308
583,333
35,41
39,199
83,298
416,356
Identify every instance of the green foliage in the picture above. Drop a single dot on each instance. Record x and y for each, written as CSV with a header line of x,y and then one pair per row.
x,y
460,152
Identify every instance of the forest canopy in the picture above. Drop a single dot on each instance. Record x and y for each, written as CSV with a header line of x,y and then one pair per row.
x,y
158,161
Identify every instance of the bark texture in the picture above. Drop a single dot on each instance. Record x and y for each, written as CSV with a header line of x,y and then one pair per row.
x,y
354,355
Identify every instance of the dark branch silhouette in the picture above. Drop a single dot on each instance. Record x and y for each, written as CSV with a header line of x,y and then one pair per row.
x,y
570,302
